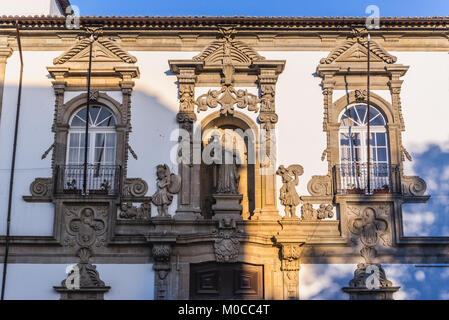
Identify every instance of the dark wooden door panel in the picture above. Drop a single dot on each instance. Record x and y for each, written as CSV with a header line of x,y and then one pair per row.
x,y
213,280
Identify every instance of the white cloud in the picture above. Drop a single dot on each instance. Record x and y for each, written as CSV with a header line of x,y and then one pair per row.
x,y
418,223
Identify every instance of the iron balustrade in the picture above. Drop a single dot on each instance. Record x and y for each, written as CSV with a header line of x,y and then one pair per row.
x,y
100,179
352,178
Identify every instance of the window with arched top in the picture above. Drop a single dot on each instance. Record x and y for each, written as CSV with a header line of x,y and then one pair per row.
x,y
101,139
353,138
100,175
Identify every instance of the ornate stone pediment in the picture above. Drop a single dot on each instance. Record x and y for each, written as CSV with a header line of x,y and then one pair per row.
x,y
103,50
112,67
238,51
356,50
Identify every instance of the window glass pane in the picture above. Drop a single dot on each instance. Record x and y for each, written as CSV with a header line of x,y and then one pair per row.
x,y
110,140
356,139
82,139
110,153
105,119
77,122
372,141
81,156
74,140
99,140
98,155
93,114
382,154
381,141
344,139
73,155
361,112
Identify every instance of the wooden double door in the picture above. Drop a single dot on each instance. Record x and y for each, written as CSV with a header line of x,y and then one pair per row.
x,y
219,281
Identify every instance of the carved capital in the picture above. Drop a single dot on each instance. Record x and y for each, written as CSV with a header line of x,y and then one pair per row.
x,y
267,120
291,254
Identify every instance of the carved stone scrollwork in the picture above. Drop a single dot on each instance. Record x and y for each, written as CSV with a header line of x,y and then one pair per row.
x,y
161,254
42,188
320,186
413,186
227,97
128,211
135,187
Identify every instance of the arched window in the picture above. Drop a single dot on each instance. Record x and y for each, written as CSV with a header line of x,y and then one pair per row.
x,y
101,139
353,148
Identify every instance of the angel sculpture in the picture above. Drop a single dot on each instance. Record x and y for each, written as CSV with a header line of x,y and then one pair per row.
x,y
288,195
167,185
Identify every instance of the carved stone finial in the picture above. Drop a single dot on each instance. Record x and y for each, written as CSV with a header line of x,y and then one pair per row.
x,y
288,195
83,281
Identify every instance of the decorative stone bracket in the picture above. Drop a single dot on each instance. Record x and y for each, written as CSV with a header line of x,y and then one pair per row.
x,y
227,243
291,254
161,251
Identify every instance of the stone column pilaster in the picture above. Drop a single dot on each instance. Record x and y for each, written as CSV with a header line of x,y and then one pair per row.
x,y
189,170
5,53
60,141
328,89
268,118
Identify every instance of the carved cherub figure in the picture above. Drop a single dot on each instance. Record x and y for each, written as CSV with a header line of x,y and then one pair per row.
x,y
167,185
288,195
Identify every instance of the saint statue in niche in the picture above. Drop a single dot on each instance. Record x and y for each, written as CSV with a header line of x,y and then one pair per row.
x,y
227,177
167,185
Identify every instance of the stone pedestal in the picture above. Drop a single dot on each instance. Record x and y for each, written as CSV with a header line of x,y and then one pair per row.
x,y
227,206
93,293
371,294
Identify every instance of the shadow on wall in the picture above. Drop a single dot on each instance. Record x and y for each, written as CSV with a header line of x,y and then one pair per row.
x,y
431,218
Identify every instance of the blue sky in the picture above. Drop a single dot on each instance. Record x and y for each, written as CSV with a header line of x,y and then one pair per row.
x,y
262,7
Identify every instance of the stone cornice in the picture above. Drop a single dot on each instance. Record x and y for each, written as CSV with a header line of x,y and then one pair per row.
x,y
183,22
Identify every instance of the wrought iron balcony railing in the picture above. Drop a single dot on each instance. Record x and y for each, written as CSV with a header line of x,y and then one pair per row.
x,y
101,179
352,178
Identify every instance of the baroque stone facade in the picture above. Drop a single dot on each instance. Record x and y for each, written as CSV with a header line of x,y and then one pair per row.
x,y
229,84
